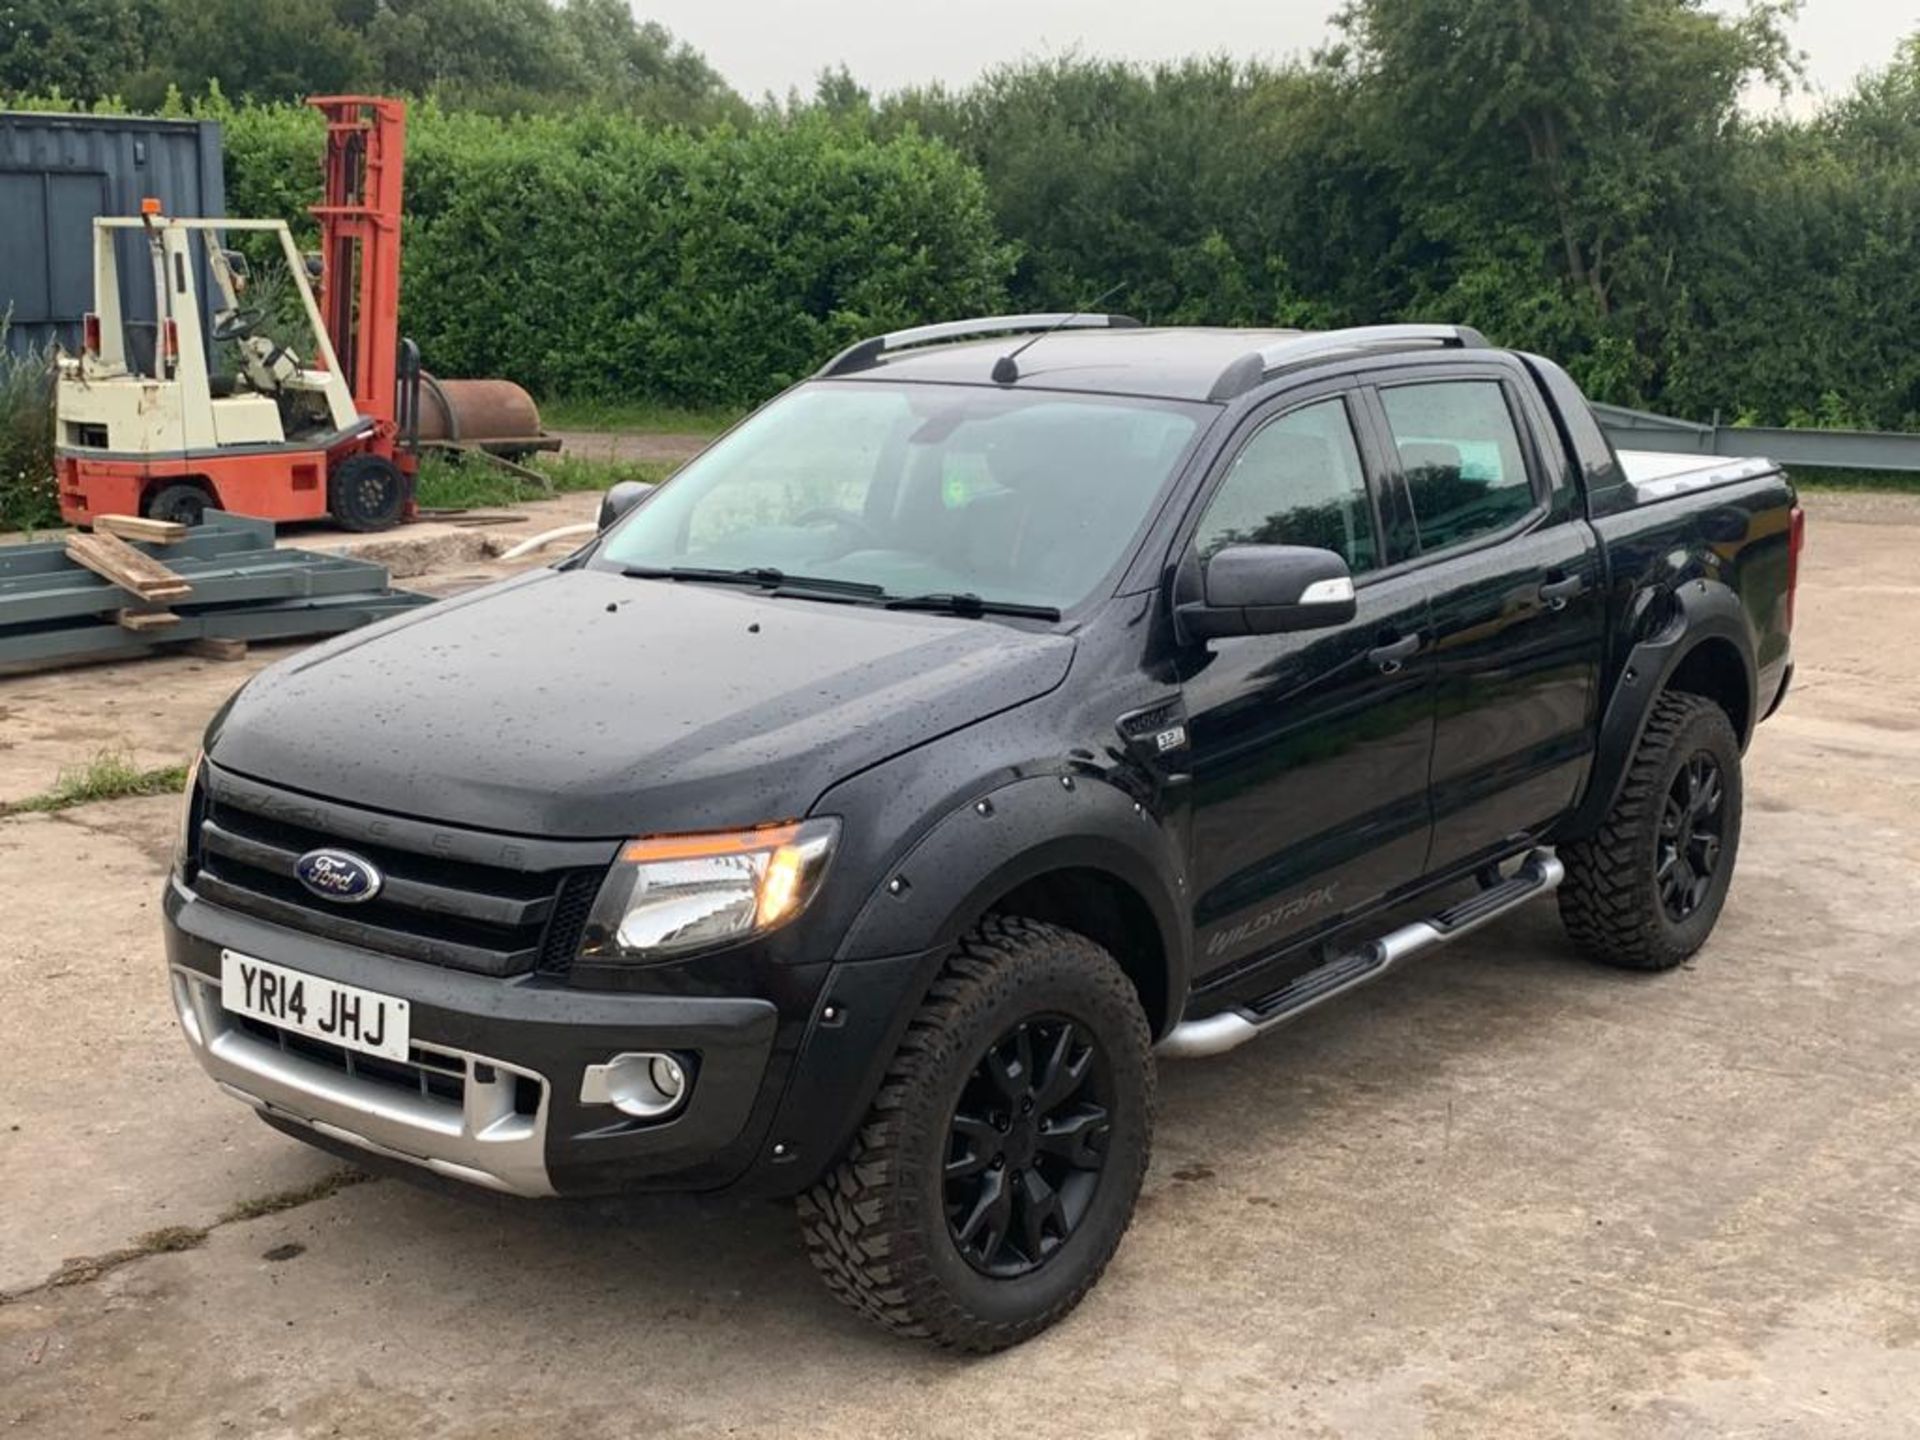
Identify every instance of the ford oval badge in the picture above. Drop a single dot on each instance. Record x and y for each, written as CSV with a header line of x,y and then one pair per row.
x,y
338,875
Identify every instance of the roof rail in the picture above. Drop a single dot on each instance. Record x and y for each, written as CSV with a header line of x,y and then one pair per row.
x,y
1250,369
867,353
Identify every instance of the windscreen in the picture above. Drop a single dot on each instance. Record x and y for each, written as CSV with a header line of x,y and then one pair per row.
x,y
1019,497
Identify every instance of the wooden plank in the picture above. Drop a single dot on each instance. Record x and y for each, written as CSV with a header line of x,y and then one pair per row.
x,y
214,648
135,527
142,620
114,560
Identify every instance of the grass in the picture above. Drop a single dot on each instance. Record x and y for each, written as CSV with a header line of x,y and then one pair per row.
x,y
172,1239
110,775
27,496
1895,481
85,1269
450,484
564,413
328,1184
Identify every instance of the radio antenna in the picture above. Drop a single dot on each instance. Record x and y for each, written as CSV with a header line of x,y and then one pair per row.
x,y
1006,370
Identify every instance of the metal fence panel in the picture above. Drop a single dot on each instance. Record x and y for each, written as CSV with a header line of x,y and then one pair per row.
x,y
1816,449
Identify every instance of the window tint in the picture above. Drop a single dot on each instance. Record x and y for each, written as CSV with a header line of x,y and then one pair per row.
x,y
1298,482
1462,459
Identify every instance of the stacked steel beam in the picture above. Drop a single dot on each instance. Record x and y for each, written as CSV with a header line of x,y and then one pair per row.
x,y
238,587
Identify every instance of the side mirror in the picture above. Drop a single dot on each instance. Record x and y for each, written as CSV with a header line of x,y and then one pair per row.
x,y
620,499
1266,590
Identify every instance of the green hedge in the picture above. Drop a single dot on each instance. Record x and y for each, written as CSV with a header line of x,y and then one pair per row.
x,y
586,255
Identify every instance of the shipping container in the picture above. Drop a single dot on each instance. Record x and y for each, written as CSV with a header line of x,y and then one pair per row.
x,y
59,171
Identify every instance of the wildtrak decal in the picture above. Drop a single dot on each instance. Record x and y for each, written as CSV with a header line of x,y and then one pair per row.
x,y
1291,908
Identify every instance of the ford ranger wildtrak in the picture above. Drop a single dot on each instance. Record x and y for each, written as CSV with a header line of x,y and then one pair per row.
x,y
1016,701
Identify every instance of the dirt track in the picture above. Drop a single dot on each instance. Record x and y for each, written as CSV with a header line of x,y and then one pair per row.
x,y
1500,1194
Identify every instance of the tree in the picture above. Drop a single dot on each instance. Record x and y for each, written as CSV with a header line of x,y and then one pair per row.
x,y
81,49
1595,126
502,56
640,67
263,49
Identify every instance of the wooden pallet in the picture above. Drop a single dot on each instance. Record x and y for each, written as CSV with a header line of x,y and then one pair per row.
x,y
114,560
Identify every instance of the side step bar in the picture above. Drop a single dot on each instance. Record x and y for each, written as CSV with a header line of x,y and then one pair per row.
x,y
1539,874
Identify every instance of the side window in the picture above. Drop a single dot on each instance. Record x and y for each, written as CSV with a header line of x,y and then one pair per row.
x,y
1462,459
1298,482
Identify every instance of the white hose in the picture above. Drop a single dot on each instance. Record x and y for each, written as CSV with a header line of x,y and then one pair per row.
x,y
549,537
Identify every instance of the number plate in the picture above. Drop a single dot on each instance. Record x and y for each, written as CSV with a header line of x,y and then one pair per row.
x,y
308,1005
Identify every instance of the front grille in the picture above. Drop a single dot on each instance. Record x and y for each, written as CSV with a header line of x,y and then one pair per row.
x,y
446,898
570,910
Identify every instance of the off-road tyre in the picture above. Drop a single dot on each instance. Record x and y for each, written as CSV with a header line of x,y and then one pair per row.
x,y
1611,901
877,1227
184,504
366,492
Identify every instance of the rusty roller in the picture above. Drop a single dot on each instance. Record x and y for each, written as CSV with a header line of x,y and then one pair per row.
x,y
492,415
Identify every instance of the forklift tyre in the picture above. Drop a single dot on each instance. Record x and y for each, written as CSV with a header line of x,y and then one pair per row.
x,y
366,492
183,504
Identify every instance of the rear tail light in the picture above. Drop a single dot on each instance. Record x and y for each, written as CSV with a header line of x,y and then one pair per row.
x,y
170,341
90,334
1796,542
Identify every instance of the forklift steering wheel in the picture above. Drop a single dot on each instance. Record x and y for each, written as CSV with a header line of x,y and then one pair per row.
x,y
238,324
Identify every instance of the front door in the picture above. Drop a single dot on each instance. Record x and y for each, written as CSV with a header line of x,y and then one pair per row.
x,y
1309,751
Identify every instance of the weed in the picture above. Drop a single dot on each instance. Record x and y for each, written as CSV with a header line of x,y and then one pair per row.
x,y
28,498
329,1184
449,484
109,775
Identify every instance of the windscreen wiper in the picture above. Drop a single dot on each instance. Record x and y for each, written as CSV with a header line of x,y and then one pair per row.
x,y
763,577
968,604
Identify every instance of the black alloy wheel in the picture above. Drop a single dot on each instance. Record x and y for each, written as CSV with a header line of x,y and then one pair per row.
x,y
999,1161
1027,1145
1692,831
1645,889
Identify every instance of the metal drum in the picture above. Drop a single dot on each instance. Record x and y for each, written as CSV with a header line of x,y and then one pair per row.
x,y
495,415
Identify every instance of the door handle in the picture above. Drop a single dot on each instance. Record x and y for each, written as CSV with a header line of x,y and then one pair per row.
x,y
1394,654
1556,593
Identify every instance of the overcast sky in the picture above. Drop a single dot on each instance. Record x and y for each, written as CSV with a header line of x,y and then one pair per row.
x,y
762,45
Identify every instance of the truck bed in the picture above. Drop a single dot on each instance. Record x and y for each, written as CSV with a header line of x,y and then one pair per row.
x,y
1657,475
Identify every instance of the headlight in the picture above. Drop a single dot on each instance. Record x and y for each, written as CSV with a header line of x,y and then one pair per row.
x,y
183,837
674,894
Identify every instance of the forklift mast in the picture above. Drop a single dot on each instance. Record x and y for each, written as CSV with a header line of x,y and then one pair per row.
x,y
359,217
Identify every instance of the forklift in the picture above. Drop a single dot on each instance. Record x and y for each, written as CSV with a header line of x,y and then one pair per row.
x,y
333,431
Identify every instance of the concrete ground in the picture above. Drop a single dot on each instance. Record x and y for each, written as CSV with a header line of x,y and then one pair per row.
x,y
155,709
1500,1194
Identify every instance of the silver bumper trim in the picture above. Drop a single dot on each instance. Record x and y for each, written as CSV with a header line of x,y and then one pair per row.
x,y
484,1140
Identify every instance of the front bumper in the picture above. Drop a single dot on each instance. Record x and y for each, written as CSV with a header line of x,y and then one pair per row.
x,y
492,1093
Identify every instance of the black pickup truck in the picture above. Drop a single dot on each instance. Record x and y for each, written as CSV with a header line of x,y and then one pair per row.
x,y
860,811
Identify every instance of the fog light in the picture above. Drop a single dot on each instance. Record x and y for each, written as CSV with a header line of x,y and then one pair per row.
x,y
647,1084
668,1078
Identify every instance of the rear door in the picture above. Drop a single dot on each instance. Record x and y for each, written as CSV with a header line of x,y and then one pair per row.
x,y
1309,752
1513,576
